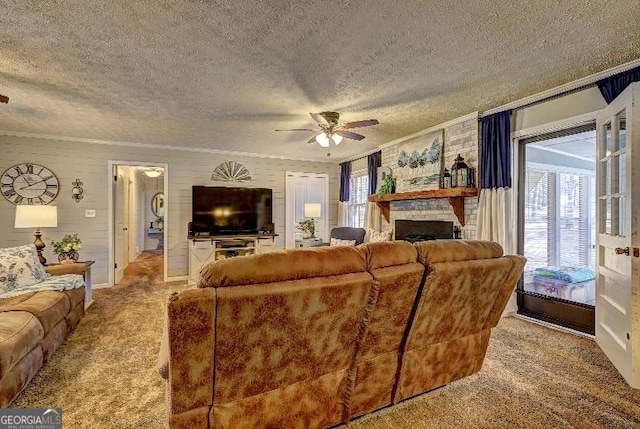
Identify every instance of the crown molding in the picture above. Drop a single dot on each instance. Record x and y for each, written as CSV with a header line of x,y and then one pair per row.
x,y
153,146
563,89
456,121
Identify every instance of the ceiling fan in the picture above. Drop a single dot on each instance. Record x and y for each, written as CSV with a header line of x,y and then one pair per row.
x,y
332,131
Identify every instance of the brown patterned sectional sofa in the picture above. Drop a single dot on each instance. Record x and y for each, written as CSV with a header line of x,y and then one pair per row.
x,y
311,338
32,327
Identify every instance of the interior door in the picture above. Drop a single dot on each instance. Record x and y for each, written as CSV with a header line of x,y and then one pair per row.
x,y
618,243
119,230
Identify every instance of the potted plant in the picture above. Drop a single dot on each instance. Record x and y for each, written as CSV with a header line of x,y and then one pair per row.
x,y
67,248
388,185
308,228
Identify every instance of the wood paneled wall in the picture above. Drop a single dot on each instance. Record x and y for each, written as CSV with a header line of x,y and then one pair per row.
x,y
89,163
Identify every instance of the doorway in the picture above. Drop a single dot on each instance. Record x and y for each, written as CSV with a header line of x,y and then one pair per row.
x,y
301,188
557,227
138,204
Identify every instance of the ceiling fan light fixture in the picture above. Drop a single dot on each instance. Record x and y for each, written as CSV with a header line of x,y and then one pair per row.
x,y
337,139
153,172
322,139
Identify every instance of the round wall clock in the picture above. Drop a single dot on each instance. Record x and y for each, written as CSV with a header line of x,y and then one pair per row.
x,y
29,184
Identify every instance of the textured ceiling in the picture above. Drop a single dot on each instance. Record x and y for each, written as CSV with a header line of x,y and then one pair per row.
x,y
225,74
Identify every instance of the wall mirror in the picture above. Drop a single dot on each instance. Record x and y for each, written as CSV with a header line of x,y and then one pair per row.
x,y
157,204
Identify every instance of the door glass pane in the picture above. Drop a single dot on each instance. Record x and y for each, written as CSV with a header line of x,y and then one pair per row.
x,y
607,139
559,217
607,216
622,216
607,170
614,163
622,173
621,118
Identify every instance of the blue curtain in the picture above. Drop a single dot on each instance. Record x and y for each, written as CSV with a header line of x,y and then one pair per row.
x,y
496,150
345,177
374,161
612,86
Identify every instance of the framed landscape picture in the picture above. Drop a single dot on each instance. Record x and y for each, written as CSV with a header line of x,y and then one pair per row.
x,y
419,163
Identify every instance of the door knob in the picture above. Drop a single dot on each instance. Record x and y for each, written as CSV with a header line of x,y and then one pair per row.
x,y
622,251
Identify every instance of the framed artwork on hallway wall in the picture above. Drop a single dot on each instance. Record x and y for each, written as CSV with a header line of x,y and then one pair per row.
x,y
419,163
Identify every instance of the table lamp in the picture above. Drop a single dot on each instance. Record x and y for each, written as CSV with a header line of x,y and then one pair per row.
x,y
312,210
37,217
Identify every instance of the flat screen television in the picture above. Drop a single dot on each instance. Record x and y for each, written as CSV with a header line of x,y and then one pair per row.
x,y
219,210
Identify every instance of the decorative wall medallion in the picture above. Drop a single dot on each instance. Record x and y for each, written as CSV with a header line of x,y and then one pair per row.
x,y
29,184
420,163
231,171
76,191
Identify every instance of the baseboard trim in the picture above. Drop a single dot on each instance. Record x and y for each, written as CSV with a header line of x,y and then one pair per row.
x,y
176,278
552,326
100,286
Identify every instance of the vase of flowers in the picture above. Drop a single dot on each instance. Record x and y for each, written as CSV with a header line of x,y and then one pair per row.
x,y
308,228
67,248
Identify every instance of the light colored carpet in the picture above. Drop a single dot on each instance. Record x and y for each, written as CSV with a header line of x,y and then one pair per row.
x,y
534,377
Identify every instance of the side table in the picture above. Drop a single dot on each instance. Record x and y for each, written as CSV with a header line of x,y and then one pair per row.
x,y
309,242
84,268
159,235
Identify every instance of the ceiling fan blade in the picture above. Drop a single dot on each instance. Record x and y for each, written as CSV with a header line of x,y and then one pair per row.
x,y
358,124
319,119
349,135
298,129
312,139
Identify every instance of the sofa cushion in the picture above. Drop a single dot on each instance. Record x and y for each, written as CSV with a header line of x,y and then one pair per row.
x,y
20,267
432,251
7,304
284,265
50,307
20,332
389,253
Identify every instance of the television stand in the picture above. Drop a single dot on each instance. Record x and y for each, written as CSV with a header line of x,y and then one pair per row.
x,y
204,249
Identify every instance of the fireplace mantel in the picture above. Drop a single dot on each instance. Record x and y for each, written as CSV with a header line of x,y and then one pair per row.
x,y
455,196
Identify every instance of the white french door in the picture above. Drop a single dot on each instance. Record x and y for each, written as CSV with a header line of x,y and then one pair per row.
x,y
304,188
618,239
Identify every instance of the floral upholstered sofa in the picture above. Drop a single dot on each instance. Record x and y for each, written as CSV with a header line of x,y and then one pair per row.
x,y
39,306
312,338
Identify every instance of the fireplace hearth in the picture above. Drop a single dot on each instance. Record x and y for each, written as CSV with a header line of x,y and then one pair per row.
x,y
421,230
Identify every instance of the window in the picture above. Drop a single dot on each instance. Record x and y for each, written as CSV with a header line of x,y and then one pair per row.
x,y
359,188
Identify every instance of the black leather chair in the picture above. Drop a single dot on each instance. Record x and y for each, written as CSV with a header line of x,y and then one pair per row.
x,y
348,233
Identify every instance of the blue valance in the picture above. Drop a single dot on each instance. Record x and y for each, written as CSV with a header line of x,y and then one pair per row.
x,y
612,86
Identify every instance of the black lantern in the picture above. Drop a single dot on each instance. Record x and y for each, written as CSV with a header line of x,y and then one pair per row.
x,y
462,176
445,179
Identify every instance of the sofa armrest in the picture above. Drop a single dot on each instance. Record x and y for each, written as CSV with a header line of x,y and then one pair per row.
x,y
187,349
163,354
58,270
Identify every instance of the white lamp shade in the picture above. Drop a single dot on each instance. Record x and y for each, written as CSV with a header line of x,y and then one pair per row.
x,y
312,210
336,138
322,140
36,216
